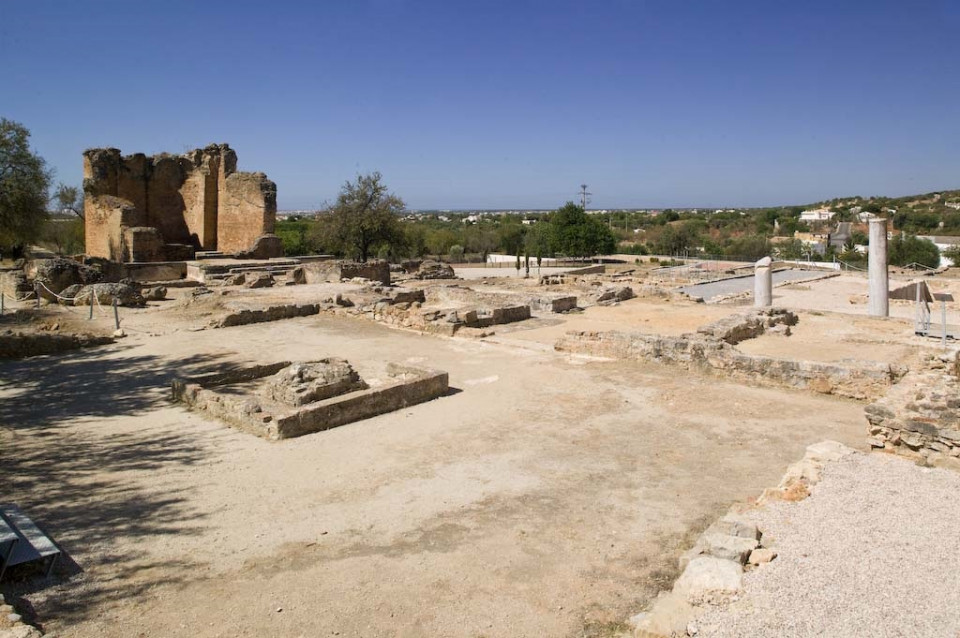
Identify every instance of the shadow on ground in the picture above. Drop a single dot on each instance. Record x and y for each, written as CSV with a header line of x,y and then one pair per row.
x,y
74,481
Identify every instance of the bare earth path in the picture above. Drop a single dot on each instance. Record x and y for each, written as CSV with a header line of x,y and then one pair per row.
x,y
547,497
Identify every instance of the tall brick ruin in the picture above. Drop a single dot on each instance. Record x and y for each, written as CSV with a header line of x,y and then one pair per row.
x,y
166,207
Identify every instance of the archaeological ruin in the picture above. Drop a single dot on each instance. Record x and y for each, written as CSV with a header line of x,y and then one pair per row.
x,y
165,207
284,400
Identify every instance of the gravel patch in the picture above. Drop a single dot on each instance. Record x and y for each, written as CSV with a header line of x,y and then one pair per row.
x,y
874,551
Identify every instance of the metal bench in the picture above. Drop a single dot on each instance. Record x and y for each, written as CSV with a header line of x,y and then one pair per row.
x,y
8,540
29,543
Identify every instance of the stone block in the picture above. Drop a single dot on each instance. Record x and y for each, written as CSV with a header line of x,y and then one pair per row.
x,y
710,580
735,548
761,555
563,304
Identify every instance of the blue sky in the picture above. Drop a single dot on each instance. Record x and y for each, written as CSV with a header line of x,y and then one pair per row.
x,y
505,104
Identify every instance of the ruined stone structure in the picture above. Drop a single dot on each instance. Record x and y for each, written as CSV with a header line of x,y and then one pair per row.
x,y
166,207
712,349
284,400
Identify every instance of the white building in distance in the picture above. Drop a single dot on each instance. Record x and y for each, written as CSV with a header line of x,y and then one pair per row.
x,y
817,215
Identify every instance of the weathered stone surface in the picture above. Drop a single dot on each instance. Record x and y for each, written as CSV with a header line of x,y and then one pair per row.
x,y
761,555
19,345
430,269
406,386
258,280
735,548
918,418
333,271
862,379
615,294
510,314
262,315
156,293
264,247
710,580
14,284
736,525
125,294
668,617
58,274
297,276
163,207
563,304
306,382
409,296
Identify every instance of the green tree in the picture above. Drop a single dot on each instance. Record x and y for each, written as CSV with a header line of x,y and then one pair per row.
x,y
576,234
68,199
364,218
24,182
907,249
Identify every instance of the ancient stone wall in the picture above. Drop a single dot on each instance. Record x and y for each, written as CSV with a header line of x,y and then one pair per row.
x,y
248,209
710,353
406,386
920,418
194,201
20,344
333,271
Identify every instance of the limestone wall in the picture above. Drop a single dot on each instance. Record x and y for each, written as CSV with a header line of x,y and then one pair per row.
x,y
195,201
710,353
920,418
247,209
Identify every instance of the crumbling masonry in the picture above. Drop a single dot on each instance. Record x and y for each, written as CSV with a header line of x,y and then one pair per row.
x,y
166,207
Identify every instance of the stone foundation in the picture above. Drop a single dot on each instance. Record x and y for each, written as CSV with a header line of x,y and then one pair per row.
x,y
19,345
920,418
263,315
248,407
334,271
708,352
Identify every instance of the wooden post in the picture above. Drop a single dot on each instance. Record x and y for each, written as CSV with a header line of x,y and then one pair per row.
x,y
116,313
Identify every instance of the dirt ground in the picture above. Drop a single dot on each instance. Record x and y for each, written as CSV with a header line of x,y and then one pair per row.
x,y
545,495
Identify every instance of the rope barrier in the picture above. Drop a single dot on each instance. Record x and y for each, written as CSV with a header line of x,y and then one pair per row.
x,y
59,297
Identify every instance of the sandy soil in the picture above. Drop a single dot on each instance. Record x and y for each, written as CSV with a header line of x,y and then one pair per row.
x,y
545,496
831,337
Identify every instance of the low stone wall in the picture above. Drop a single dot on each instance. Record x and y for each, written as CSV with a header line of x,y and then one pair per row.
x,y
409,386
920,418
19,345
563,304
509,314
159,271
737,328
599,269
15,285
417,386
710,353
263,315
334,271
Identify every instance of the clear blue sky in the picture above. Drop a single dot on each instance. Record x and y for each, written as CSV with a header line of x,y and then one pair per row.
x,y
505,104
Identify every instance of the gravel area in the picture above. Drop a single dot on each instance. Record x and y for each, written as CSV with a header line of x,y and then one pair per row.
x,y
874,551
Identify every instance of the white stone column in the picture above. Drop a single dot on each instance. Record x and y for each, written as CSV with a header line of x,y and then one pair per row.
x,y
879,287
763,283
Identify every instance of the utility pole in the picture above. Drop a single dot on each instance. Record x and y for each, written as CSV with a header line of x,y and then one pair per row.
x,y
583,196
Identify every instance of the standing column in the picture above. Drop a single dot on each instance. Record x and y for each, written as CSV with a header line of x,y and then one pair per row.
x,y
762,283
879,286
